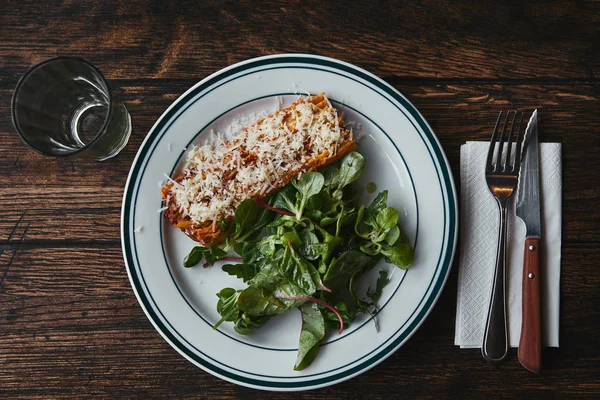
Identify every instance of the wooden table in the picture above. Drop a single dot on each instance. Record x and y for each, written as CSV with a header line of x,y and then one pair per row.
x,y
70,324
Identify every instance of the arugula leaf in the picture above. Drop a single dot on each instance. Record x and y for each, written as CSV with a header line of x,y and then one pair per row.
x,y
214,253
340,278
248,251
313,331
198,253
382,282
242,271
308,185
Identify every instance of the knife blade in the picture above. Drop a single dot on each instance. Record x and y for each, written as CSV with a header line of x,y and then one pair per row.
x,y
528,211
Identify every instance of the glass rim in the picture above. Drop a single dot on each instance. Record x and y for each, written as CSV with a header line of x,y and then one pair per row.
x,y
33,68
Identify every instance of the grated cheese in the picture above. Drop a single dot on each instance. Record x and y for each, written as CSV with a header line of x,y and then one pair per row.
x,y
220,174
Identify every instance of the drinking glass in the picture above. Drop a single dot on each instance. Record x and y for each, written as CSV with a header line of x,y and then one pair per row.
x,y
63,107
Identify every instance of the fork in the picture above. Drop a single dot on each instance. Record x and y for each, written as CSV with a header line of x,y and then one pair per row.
x,y
502,179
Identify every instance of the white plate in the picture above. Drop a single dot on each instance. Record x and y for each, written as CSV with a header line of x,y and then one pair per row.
x,y
402,156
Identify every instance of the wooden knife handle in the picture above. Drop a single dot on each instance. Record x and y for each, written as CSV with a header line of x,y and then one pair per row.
x,y
530,345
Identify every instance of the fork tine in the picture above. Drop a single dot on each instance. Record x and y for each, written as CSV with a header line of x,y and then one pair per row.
x,y
518,144
501,143
506,165
493,143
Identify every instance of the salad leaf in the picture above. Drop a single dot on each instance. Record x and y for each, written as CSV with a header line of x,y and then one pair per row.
x,y
245,323
308,185
382,282
307,268
313,331
260,301
250,218
350,170
387,218
401,254
308,240
291,237
267,246
379,203
275,286
286,199
307,249
297,273
360,227
198,253
246,215
327,246
321,202
242,271
227,305
331,175
224,225
249,252
371,248
341,269
392,236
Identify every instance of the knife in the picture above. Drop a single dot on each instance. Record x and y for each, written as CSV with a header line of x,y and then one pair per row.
x,y
528,210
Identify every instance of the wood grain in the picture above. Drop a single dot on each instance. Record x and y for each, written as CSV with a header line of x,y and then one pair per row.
x,y
82,199
71,324
530,343
431,39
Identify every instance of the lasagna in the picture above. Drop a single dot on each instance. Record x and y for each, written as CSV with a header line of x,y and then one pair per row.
x,y
264,157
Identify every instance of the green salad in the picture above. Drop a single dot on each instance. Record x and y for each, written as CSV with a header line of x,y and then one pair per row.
x,y
306,249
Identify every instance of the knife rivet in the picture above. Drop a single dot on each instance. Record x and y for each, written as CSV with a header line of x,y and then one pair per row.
x,y
531,275
532,247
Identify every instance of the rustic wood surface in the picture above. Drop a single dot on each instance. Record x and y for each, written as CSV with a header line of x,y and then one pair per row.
x,y
70,325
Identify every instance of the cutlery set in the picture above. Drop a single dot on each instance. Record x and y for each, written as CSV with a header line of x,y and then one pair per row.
x,y
504,174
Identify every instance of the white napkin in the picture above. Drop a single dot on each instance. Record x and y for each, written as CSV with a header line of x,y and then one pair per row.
x,y
479,233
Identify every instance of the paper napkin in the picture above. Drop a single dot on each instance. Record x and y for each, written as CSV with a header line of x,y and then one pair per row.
x,y
479,235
